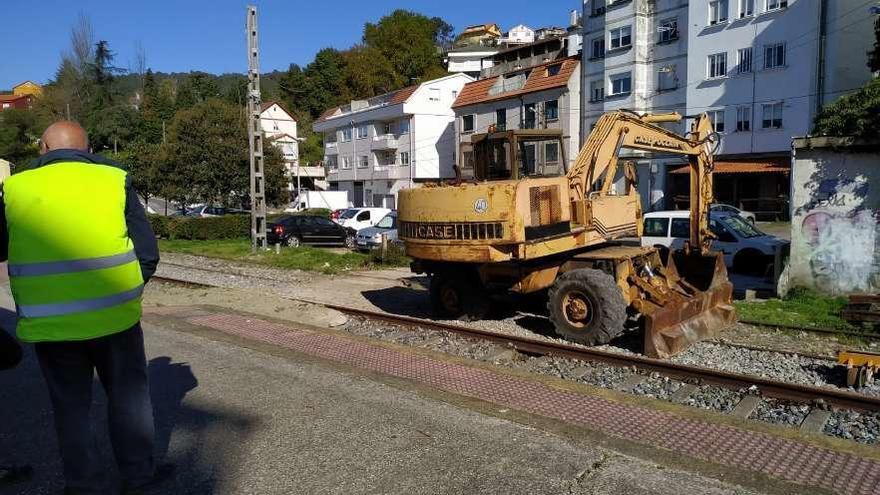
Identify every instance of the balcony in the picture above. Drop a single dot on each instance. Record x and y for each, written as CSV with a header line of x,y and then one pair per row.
x,y
385,142
331,148
303,171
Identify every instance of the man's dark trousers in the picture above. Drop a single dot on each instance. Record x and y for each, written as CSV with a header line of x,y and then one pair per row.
x,y
68,368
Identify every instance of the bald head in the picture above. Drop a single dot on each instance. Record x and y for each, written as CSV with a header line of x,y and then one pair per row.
x,y
64,135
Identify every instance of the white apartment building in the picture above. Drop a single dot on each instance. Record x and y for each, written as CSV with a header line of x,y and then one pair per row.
x,y
518,35
280,129
374,148
545,96
635,57
470,59
758,68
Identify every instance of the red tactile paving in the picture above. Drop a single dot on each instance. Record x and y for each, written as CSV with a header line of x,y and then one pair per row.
x,y
781,458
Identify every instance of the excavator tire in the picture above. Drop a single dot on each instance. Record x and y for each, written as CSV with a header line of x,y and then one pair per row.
x,y
458,296
586,306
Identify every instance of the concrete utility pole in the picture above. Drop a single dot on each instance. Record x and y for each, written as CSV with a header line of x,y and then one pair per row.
x,y
255,136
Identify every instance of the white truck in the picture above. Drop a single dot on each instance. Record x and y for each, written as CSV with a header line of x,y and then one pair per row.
x,y
332,200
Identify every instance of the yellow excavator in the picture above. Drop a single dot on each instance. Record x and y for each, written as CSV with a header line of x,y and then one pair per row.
x,y
508,228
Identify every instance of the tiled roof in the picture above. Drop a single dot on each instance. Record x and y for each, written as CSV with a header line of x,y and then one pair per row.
x,y
13,97
538,80
761,166
403,94
395,97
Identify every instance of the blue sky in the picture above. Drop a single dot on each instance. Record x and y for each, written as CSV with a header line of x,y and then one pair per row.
x,y
208,35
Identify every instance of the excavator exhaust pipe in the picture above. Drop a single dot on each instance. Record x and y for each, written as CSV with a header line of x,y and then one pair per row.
x,y
700,306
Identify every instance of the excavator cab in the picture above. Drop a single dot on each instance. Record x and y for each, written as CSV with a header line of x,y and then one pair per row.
x,y
516,154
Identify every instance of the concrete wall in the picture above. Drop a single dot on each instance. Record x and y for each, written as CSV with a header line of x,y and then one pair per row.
x,y
835,213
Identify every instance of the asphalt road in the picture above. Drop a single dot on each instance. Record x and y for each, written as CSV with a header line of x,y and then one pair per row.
x,y
236,420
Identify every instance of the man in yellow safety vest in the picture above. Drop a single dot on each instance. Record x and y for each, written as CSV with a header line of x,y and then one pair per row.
x,y
79,249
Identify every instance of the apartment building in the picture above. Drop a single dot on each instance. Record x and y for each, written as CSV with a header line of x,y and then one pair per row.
x,y
374,148
759,68
762,69
545,96
635,57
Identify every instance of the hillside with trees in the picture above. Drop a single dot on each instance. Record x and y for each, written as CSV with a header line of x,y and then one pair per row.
x,y
183,135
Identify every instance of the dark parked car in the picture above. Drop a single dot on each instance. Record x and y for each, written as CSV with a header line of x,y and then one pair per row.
x,y
296,230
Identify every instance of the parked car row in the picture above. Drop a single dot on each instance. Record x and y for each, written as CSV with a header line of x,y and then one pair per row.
x,y
360,228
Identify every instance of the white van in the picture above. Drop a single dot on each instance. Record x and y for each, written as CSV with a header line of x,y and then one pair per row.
x,y
745,248
361,218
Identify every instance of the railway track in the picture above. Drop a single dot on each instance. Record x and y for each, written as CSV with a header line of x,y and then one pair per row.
x,y
531,346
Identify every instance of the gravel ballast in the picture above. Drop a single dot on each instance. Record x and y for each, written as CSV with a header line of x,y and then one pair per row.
x,y
380,291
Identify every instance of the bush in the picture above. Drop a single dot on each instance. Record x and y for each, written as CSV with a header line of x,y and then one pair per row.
x,y
204,229
394,256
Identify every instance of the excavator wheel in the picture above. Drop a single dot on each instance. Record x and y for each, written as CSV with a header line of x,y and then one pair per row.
x,y
457,296
586,306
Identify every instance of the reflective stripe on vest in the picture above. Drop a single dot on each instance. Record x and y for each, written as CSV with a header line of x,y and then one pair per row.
x,y
57,309
56,267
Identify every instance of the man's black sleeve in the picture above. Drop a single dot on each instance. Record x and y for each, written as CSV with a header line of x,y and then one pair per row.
x,y
4,232
145,246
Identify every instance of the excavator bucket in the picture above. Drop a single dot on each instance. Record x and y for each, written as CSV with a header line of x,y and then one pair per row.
x,y
699,305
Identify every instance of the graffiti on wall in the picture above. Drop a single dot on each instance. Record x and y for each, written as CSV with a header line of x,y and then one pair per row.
x,y
844,250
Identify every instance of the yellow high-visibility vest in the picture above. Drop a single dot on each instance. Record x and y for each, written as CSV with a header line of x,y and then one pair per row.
x,y
72,267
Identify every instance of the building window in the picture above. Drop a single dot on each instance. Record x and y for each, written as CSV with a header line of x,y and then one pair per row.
x,y
598,48
668,30
597,90
666,79
330,137
501,119
776,4
621,83
746,8
454,94
717,12
467,159
717,119
744,60
404,126
598,7
771,116
332,164
774,56
529,116
551,110
388,128
467,123
743,119
553,70
717,65
551,152
404,158
346,134
346,162
433,94
364,161
621,37
363,131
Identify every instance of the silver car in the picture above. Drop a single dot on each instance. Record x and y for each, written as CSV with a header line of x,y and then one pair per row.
x,y
371,237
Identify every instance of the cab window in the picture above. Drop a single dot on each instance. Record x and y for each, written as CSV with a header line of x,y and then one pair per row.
x,y
323,221
656,227
363,217
680,228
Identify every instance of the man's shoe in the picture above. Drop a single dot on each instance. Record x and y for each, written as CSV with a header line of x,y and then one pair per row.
x,y
163,473
15,474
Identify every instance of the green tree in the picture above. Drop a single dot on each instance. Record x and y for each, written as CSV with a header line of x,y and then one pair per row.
x,y
145,162
369,73
856,114
276,177
157,108
410,42
18,136
197,87
207,147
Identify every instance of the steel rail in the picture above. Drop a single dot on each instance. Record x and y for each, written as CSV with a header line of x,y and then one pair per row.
x,y
726,379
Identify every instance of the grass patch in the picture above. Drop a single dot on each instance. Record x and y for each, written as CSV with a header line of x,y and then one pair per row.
x,y
801,308
301,258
